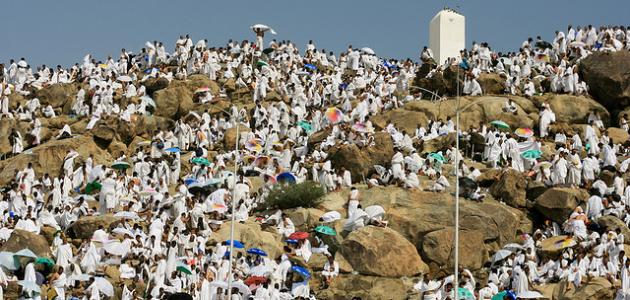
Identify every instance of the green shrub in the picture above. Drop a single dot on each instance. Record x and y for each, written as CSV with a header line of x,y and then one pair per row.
x,y
305,194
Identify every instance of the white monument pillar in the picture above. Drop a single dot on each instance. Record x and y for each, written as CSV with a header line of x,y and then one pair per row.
x,y
447,35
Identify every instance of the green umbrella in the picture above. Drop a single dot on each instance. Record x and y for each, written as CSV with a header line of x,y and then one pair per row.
x,y
45,261
465,294
261,63
306,126
438,156
532,154
93,186
500,124
268,50
323,229
184,269
120,165
200,161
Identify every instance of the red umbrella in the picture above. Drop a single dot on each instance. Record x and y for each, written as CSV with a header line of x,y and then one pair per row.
x,y
300,235
255,280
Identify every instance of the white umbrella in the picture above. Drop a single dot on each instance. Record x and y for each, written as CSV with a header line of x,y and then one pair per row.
x,y
26,253
219,284
263,28
22,64
529,295
375,211
124,78
367,50
260,270
126,215
122,231
30,286
7,261
513,246
104,286
501,255
431,286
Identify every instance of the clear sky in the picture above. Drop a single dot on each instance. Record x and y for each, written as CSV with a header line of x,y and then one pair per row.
x,y
62,31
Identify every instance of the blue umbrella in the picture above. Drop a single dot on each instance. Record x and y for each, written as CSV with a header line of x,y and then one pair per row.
x,y
257,251
172,149
301,271
237,244
532,154
189,181
310,66
291,241
286,177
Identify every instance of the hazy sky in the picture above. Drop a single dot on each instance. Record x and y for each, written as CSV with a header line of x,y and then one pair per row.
x,y
63,31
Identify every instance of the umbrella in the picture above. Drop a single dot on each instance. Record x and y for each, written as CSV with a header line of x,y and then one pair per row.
x,y
299,235
268,50
149,70
306,126
180,296
500,124
183,268
530,295
360,127
122,231
261,63
367,50
544,44
524,132
120,165
45,261
577,44
286,177
255,280
93,186
261,160
464,294
202,90
438,156
260,270
104,286
254,145
263,28
189,181
129,215
25,253
7,261
291,241
334,114
301,271
237,244
502,294
310,67
200,161
323,229
257,251
22,64
501,255
30,286
513,246
172,150
532,154
196,187
566,243
219,284
124,78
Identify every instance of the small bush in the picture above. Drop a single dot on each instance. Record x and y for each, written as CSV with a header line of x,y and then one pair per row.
x,y
305,194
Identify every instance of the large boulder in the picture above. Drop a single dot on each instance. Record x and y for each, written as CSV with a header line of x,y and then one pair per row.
x,y
153,85
510,188
84,227
491,83
173,102
347,286
549,246
360,161
48,157
229,138
382,252
437,249
612,223
597,288
557,204
57,95
608,78
21,239
573,109
618,135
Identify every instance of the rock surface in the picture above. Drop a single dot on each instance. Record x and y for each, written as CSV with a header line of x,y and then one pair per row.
x,y
21,239
360,162
557,204
382,252
510,188
608,78
85,227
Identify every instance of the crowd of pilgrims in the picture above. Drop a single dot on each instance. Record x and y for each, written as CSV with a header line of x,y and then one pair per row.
x,y
325,92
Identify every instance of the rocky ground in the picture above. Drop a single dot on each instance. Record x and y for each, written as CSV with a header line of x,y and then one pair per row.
x,y
376,263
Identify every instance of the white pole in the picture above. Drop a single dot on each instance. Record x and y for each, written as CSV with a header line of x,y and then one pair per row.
x,y
456,273
229,287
